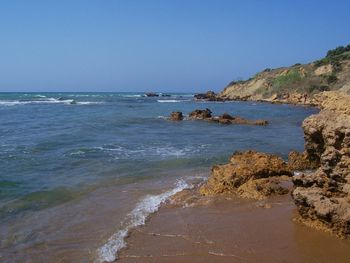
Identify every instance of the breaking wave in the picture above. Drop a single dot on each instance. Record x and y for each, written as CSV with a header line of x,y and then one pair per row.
x,y
137,217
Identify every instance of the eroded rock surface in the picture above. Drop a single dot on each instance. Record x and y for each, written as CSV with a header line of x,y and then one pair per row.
x,y
225,118
300,161
176,116
200,114
249,174
323,197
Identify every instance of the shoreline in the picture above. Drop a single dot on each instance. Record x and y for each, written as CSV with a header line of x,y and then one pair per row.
x,y
146,244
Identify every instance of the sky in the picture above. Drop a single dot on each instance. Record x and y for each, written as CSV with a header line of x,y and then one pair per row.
x,y
160,45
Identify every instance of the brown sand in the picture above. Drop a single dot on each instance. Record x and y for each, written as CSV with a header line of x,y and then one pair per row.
x,y
232,231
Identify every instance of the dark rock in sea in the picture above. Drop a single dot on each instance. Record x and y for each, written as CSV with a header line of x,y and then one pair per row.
x,y
209,95
200,114
323,196
249,174
166,95
176,116
228,119
151,94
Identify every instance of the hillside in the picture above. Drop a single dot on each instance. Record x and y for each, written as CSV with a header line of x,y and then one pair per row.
x,y
296,84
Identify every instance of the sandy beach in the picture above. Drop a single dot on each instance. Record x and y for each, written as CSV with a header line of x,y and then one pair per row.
x,y
234,230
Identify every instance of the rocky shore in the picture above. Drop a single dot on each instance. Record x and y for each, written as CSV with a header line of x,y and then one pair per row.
x,y
323,197
318,179
206,115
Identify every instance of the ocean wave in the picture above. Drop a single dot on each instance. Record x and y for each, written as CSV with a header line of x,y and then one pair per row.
x,y
172,101
47,101
137,217
132,96
143,151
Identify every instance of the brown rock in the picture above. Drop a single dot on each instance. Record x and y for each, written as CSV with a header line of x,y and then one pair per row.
x,y
323,196
243,168
209,95
176,116
300,161
200,114
228,119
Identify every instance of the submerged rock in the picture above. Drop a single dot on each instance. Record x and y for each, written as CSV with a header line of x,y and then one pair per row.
x,y
323,196
151,94
176,116
226,118
249,174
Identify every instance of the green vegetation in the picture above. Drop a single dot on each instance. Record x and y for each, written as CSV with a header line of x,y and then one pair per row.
x,y
334,57
291,77
337,51
331,78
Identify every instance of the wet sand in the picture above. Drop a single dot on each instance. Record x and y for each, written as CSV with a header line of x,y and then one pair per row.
x,y
232,231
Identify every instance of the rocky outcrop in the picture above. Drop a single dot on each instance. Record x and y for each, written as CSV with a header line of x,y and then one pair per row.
x,y
249,174
228,119
200,115
176,116
297,84
323,196
209,96
151,94
301,161
225,118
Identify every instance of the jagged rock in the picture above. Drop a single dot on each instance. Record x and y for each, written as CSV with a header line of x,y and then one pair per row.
x,y
228,119
239,175
176,116
265,187
300,161
151,94
200,114
322,197
209,95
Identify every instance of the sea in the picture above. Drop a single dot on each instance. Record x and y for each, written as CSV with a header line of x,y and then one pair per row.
x,y
79,171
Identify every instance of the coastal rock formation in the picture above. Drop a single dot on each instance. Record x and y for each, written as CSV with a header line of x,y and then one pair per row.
x,y
200,114
297,84
301,161
226,118
176,116
151,94
249,174
209,96
323,197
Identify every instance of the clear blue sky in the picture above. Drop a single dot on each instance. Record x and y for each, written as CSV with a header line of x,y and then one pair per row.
x,y
159,45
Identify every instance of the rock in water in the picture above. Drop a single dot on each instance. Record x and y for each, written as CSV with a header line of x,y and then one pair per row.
x,y
151,94
323,197
200,114
250,174
176,116
209,95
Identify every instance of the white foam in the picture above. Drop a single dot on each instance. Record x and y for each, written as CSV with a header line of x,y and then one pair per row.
x,y
172,101
43,100
132,96
137,217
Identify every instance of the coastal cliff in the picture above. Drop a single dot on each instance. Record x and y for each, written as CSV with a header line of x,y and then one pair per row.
x,y
323,196
297,84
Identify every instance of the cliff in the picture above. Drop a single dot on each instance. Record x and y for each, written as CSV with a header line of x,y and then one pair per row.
x,y
297,84
323,196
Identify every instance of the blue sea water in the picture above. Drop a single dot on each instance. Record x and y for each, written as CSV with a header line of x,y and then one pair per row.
x,y
62,151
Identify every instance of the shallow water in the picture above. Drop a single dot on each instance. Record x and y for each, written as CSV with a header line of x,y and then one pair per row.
x,y
74,165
